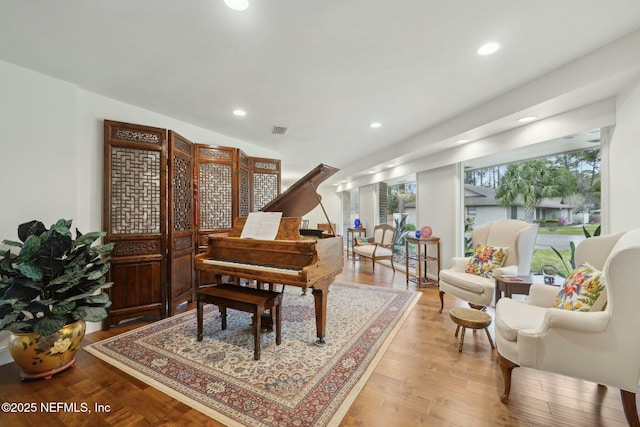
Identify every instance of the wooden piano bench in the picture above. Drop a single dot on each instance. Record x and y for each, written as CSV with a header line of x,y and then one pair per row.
x,y
249,300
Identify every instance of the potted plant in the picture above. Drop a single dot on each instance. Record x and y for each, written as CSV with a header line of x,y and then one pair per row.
x,y
47,292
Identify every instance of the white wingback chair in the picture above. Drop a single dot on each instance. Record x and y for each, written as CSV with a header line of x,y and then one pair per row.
x,y
517,236
599,346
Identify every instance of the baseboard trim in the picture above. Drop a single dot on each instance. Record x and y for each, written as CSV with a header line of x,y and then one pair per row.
x,y
5,356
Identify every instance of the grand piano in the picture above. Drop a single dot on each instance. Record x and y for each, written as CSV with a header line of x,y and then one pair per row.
x,y
296,257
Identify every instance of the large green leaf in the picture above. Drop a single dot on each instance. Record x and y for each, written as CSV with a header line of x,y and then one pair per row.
x,y
97,299
66,285
12,243
21,293
29,248
89,238
62,227
19,326
63,308
31,271
103,249
8,319
90,314
49,325
27,283
95,275
31,228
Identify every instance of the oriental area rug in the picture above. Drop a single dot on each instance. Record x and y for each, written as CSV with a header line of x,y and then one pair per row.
x,y
294,384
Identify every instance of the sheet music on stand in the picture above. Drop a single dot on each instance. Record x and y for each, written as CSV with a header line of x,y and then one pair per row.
x,y
261,225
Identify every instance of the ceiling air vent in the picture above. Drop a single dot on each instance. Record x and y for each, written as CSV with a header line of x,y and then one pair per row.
x,y
279,130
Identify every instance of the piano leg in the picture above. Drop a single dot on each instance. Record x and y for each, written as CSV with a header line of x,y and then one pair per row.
x,y
320,300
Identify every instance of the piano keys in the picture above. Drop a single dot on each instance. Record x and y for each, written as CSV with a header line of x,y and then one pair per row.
x,y
291,259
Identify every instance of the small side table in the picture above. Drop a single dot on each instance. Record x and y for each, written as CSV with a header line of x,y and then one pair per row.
x,y
520,284
351,235
421,258
512,285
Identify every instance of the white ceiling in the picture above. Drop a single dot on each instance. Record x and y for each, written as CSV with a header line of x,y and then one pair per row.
x,y
323,69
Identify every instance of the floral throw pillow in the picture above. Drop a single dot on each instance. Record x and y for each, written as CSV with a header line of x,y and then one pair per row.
x,y
584,290
485,259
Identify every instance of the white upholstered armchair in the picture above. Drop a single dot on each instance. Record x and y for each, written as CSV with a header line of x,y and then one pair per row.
x,y
600,346
518,238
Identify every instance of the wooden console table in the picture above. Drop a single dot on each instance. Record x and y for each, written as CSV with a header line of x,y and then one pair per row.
x,y
422,258
351,235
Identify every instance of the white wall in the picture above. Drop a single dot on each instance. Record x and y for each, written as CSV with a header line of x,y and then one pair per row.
x,y
332,205
38,154
368,208
38,146
439,194
624,155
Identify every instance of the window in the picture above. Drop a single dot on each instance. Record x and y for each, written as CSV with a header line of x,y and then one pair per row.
x,y
562,190
401,208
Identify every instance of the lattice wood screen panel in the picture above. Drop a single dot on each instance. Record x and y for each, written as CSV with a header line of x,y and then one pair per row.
x,y
215,196
265,181
181,223
216,190
135,219
182,186
135,191
244,184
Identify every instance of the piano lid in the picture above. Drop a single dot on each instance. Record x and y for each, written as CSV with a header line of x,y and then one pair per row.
x,y
301,198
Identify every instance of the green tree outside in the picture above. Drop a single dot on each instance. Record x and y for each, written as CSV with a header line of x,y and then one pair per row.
x,y
531,181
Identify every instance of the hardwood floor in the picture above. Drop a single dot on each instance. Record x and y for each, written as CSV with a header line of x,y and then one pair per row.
x,y
422,380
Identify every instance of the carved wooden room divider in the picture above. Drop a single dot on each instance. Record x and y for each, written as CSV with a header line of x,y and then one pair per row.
x,y
163,196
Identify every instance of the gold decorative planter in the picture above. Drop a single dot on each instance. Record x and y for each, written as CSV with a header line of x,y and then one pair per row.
x,y
43,356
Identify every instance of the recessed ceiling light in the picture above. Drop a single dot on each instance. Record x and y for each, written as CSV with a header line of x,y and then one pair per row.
x,y
527,119
391,165
462,141
239,113
237,4
488,48
375,125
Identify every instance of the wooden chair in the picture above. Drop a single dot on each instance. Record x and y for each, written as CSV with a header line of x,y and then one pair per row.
x,y
381,246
